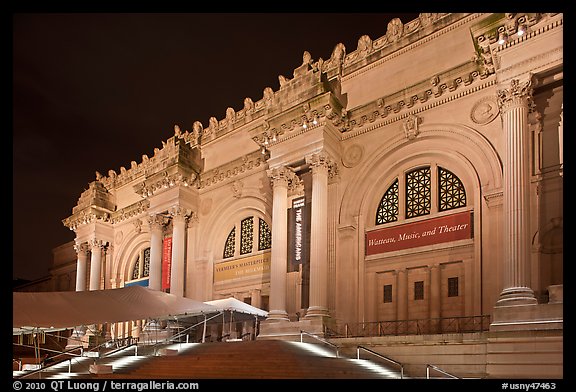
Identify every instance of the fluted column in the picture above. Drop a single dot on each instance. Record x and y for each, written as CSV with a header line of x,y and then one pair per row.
x,y
179,216
156,225
318,302
279,258
82,252
96,247
514,105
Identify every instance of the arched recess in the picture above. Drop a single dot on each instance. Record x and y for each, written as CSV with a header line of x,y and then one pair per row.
x,y
460,149
127,255
224,216
469,154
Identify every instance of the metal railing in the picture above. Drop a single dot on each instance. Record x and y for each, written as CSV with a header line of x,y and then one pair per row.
x,y
415,327
320,340
428,367
358,348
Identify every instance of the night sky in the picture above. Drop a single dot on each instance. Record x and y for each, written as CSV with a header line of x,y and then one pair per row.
x,y
93,92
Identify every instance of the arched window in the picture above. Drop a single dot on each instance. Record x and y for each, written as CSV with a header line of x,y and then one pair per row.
x,y
142,265
417,193
388,208
246,244
451,193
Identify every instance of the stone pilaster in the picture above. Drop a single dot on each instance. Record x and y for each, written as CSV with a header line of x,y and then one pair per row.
x,y
514,105
435,297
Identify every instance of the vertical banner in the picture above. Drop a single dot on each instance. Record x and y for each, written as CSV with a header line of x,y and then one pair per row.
x,y
298,224
166,262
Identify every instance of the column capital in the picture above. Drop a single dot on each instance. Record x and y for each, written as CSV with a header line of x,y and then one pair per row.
x,y
282,176
96,243
322,162
179,213
157,221
518,94
81,248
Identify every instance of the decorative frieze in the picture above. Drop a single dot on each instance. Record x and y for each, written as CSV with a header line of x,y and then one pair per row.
x,y
130,211
152,186
232,169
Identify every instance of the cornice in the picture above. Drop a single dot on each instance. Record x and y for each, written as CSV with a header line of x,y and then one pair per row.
x,y
425,95
411,29
95,214
231,170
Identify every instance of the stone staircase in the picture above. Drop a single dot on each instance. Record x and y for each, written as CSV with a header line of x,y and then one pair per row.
x,y
266,359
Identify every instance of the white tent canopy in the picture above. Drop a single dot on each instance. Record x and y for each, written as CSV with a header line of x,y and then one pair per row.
x,y
235,305
68,309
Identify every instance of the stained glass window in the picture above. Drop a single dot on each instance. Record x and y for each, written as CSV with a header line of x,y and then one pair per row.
x,y
246,235
265,236
450,190
388,208
418,192
230,244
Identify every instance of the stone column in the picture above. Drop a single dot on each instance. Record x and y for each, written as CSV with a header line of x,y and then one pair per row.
x,y
82,251
514,105
179,217
318,304
156,223
95,263
279,256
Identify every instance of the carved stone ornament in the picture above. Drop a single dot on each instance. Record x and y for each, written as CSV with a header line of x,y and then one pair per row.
x,y
352,155
484,111
395,30
410,126
237,189
518,94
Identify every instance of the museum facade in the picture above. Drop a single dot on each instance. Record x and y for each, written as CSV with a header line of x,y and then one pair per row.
x,y
418,176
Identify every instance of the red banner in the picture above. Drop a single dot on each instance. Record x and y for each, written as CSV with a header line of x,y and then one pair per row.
x,y
411,235
166,262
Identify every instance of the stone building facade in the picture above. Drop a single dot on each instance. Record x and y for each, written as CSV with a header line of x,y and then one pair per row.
x,y
418,176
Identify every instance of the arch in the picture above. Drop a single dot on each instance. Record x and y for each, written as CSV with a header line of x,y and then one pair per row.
x,y
226,215
461,149
127,255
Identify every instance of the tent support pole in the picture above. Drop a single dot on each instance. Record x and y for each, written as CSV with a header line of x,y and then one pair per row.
x,y
204,331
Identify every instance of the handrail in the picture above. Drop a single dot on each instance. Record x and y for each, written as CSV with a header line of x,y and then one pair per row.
x,y
428,367
183,332
321,340
380,356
